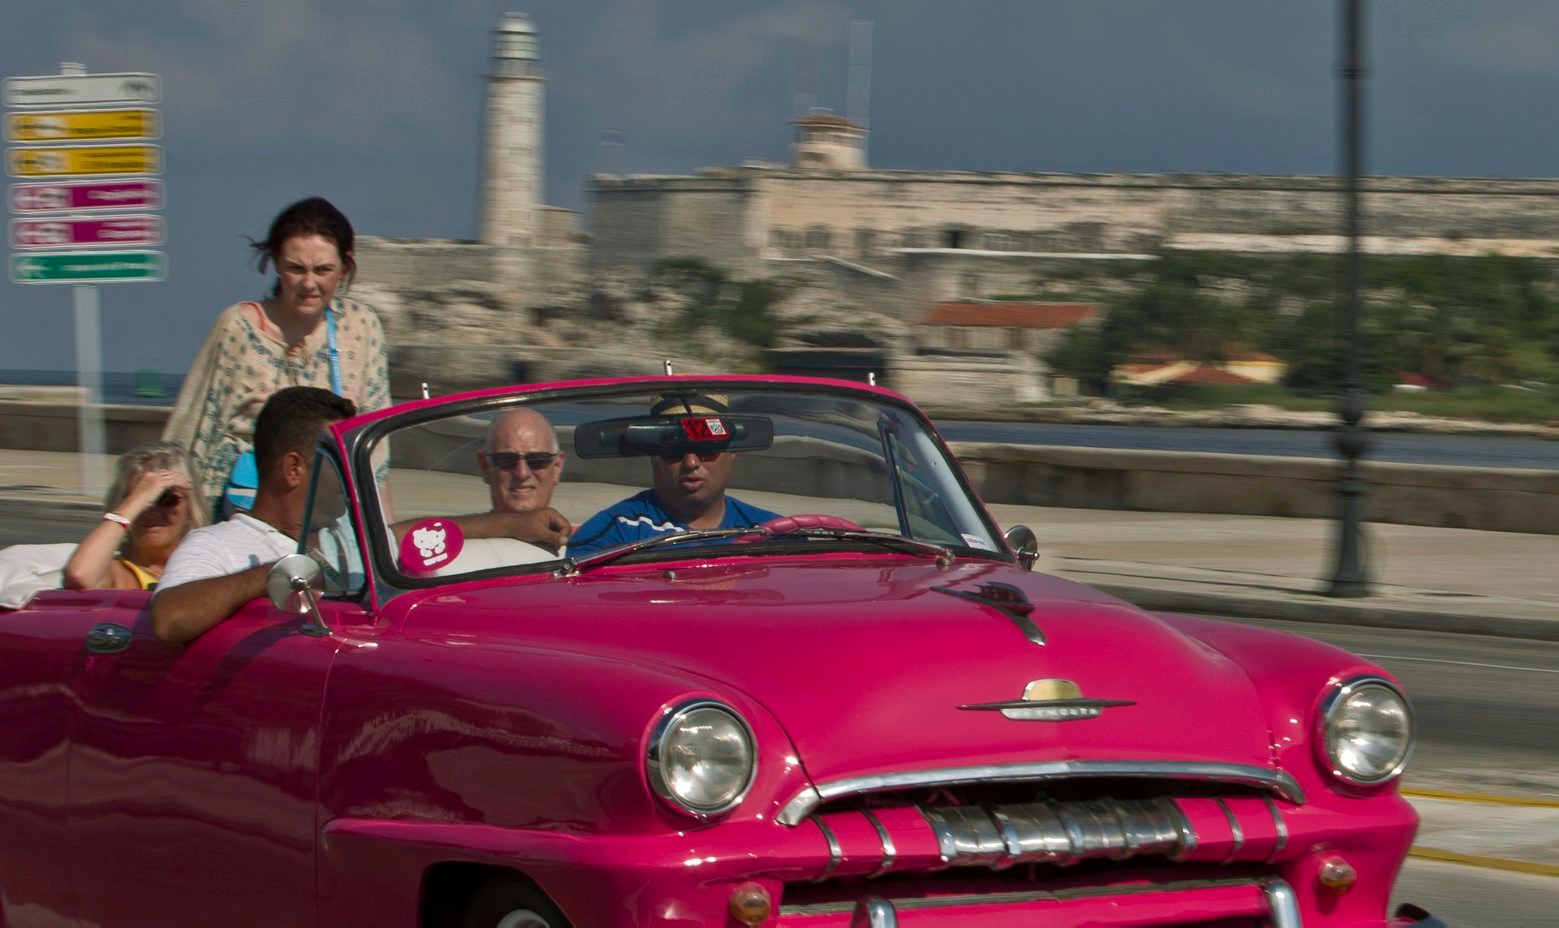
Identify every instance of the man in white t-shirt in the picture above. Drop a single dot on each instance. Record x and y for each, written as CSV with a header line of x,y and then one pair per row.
x,y
216,569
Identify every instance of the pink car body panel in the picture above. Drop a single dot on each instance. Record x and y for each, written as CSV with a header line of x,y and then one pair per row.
x,y
261,776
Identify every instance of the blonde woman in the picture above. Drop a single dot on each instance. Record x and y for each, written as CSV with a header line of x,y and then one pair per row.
x,y
153,503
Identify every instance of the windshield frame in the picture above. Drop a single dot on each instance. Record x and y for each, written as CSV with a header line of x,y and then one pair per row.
x,y
361,441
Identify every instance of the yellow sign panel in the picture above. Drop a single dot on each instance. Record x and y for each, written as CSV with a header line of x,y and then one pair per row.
x,y
81,126
80,160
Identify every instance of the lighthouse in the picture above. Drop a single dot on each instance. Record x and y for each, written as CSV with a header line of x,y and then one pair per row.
x,y
510,189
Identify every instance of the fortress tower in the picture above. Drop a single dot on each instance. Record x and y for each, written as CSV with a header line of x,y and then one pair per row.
x,y
509,193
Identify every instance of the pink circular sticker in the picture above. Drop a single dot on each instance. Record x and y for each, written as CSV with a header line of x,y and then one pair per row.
x,y
430,545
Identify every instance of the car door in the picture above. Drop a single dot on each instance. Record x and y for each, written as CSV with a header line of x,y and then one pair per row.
x,y
43,649
195,771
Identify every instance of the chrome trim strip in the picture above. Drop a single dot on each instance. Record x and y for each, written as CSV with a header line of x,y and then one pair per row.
x,y
1281,827
835,852
1277,782
1284,903
874,912
889,852
1237,833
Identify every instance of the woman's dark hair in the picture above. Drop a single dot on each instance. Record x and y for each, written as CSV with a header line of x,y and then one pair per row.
x,y
313,216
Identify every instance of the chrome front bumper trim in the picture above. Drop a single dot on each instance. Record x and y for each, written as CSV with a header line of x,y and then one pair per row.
x,y
1275,782
878,912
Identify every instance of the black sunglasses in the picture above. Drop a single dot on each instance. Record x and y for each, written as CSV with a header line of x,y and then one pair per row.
x,y
168,499
535,460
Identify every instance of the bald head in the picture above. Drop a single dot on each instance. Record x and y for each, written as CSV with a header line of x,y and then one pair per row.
x,y
521,462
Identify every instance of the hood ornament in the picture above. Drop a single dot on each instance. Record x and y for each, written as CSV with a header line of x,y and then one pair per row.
x,y
1051,700
1005,598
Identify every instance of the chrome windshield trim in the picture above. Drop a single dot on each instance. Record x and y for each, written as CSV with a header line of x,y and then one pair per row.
x,y
1276,782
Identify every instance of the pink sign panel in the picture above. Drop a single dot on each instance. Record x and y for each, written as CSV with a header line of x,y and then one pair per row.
x,y
94,195
65,231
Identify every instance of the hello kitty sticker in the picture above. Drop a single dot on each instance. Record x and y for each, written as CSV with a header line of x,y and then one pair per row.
x,y
430,545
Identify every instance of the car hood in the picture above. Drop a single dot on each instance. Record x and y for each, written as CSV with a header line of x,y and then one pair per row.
x,y
870,664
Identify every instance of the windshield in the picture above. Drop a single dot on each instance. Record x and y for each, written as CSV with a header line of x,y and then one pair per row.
x,y
628,470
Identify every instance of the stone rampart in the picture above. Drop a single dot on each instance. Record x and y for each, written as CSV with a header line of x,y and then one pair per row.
x,y
872,216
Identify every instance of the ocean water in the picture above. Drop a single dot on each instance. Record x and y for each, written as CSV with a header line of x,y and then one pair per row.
x,y
147,388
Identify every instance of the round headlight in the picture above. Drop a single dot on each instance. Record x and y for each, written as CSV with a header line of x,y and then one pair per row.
x,y
701,758
1367,731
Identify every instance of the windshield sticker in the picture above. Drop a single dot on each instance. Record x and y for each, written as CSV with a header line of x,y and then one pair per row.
x,y
705,428
975,541
430,545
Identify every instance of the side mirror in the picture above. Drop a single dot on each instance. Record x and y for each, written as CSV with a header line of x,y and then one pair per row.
x,y
1024,545
294,585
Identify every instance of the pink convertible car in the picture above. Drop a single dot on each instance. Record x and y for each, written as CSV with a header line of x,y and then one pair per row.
x,y
845,701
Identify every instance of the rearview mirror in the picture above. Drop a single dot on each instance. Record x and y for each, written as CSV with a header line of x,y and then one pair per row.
x,y
1024,545
294,585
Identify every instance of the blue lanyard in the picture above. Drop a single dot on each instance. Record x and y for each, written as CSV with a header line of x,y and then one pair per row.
x,y
335,353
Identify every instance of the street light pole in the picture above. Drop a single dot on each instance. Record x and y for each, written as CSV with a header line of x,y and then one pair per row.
x,y
1349,576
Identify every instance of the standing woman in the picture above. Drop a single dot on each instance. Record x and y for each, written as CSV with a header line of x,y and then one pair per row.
x,y
304,334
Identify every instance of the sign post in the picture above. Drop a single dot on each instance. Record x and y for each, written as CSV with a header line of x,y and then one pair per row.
x,y
69,126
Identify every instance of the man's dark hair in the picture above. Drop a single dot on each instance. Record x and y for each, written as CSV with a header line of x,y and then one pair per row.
x,y
291,420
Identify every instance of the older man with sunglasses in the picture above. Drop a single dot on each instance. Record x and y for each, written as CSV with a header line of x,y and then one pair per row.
x,y
687,490
522,462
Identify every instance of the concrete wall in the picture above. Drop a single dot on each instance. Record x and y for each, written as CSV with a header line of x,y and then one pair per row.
x,y
46,426
1504,500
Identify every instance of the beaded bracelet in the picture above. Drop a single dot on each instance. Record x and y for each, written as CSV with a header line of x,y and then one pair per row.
x,y
117,519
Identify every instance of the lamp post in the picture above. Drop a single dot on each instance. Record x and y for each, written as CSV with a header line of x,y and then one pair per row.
x,y
1349,576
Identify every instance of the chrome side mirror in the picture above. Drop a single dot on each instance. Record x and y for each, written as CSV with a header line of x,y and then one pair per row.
x,y
294,585
1024,545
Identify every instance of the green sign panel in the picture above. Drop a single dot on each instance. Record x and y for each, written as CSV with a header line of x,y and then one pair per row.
x,y
89,267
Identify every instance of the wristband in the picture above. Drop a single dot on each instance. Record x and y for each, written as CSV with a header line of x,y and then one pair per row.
x,y
117,519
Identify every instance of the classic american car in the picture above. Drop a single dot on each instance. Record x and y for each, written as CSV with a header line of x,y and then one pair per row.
x,y
855,705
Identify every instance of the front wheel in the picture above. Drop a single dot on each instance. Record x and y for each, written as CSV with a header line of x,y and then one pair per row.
x,y
510,901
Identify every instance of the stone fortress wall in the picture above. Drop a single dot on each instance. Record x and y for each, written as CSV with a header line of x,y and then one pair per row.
x,y
744,218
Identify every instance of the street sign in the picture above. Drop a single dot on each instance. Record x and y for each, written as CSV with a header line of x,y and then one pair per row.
x,y
89,267
90,195
72,231
82,89
83,160
81,125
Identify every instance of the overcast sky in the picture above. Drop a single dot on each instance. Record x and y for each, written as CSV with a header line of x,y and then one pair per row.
x,y
375,104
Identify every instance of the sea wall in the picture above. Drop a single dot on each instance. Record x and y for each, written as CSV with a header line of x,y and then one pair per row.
x,y
1492,499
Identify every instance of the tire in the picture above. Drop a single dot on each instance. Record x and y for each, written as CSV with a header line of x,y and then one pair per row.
x,y
511,901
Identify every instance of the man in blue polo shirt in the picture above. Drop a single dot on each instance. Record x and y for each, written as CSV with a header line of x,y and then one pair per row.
x,y
687,490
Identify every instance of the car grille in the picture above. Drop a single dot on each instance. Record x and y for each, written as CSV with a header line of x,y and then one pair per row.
x,y
873,842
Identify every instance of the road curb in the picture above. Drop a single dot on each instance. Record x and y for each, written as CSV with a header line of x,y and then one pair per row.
x,y
1333,612
1488,863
